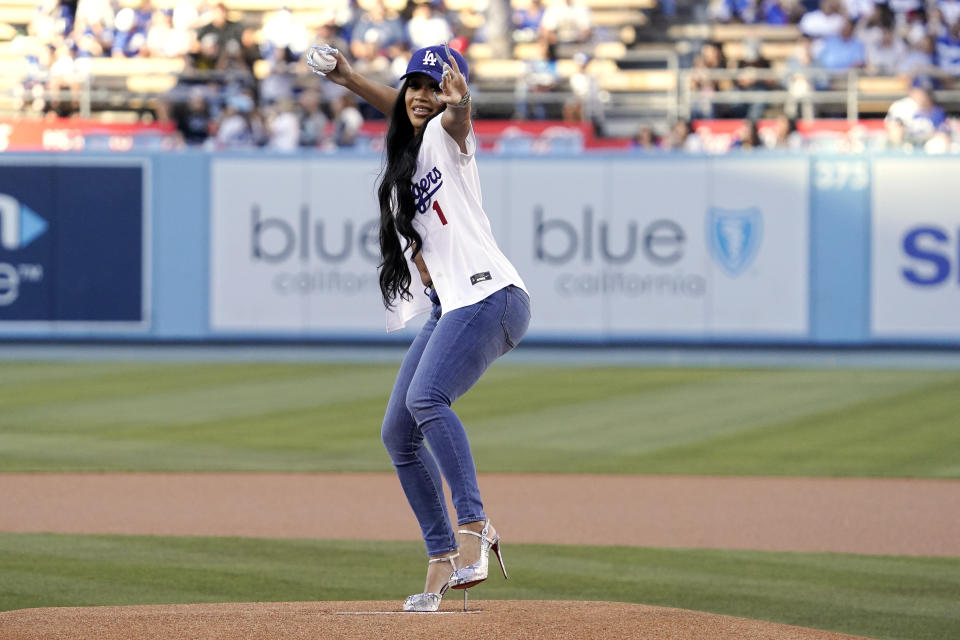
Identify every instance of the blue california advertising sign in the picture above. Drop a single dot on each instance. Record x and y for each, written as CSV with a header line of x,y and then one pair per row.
x,y
71,243
734,236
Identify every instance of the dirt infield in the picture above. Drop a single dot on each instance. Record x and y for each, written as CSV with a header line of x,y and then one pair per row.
x,y
847,515
500,620
876,516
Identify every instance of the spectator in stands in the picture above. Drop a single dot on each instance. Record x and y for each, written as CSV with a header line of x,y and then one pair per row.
x,y
904,7
313,122
917,120
89,43
233,75
566,22
870,28
748,137
645,139
682,137
250,47
742,11
283,127
188,80
826,21
57,17
280,81
912,25
949,11
781,12
750,79
67,75
702,84
540,77
219,29
93,27
372,60
801,81
584,104
840,52
347,121
526,21
164,40
399,55
130,33
193,119
936,25
241,126
919,58
186,16
29,93
373,32
885,55
427,26
856,10
948,51
204,53
281,31
783,135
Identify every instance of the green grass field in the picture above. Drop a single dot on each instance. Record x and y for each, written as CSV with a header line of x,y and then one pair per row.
x,y
297,417
882,597
303,417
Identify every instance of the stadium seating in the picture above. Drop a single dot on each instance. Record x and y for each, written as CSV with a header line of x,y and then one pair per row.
x,y
639,79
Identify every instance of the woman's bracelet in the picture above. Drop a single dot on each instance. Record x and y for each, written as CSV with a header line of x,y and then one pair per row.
x,y
465,100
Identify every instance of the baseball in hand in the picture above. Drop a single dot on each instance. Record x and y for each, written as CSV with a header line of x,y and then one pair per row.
x,y
322,59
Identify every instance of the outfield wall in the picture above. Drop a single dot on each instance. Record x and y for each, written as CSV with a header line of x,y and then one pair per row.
x,y
808,250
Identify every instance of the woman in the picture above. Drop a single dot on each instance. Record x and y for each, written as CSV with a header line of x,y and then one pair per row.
x,y
432,224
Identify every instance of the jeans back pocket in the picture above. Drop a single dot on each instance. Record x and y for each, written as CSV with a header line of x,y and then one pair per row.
x,y
516,315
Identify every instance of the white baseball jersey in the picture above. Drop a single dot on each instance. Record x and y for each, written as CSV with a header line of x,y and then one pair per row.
x,y
463,258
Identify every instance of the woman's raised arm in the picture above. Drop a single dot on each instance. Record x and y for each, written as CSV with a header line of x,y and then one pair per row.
x,y
380,96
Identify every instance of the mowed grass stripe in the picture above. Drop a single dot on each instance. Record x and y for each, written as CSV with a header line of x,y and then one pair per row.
x,y
164,398
27,385
876,596
690,411
895,435
236,416
28,453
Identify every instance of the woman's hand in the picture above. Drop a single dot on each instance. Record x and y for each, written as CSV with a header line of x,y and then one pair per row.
x,y
341,73
380,96
456,95
453,86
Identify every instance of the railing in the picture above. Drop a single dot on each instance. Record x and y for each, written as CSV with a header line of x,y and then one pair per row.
x,y
844,93
843,89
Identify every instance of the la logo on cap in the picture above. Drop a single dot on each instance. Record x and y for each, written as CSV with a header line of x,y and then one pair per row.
x,y
430,58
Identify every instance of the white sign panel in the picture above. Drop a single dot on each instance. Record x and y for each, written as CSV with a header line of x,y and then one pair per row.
x,y
656,236
915,256
554,207
294,246
758,241
625,248
673,248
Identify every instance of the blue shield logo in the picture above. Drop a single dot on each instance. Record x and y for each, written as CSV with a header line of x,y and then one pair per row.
x,y
734,237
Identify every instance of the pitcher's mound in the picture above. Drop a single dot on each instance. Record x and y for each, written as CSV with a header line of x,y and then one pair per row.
x,y
493,619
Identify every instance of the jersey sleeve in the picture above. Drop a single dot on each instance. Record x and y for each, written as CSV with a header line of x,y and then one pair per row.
x,y
437,136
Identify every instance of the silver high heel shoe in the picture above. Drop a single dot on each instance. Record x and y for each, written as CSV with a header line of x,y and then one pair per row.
x,y
466,577
430,601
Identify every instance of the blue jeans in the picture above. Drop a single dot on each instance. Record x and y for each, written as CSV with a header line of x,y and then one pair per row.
x,y
446,358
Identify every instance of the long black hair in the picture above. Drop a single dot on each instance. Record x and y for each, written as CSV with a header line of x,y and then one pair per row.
x,y
397,206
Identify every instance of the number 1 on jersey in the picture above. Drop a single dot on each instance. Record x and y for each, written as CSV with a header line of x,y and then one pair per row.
x,y
436,207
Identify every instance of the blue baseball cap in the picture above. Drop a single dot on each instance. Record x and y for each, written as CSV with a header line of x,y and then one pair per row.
x,y
429,60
